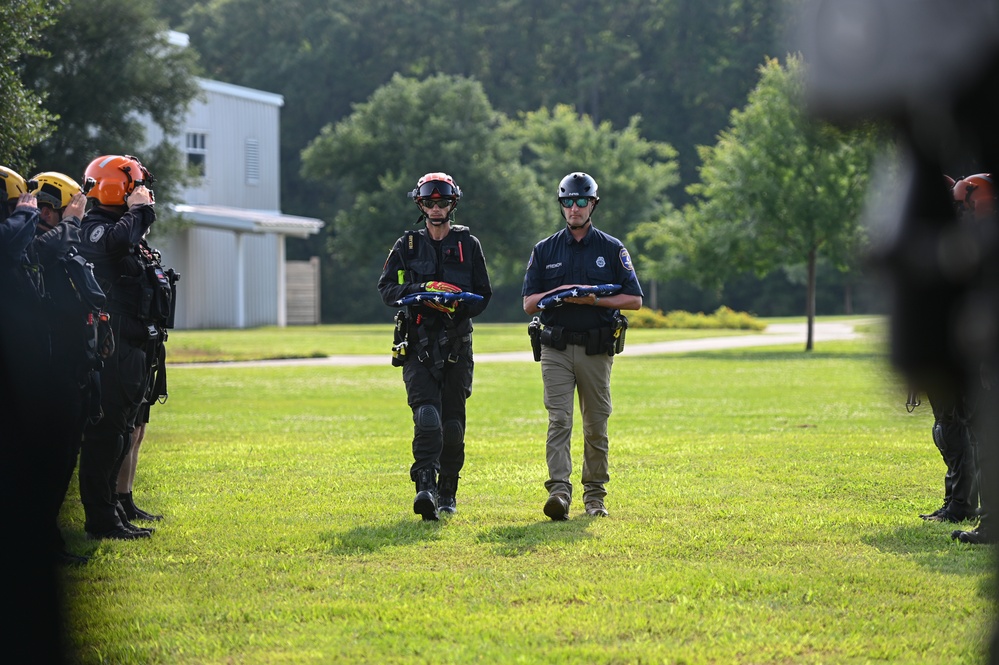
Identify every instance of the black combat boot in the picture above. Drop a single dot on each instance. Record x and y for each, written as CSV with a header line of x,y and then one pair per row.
x,y
447,487
127,524
425,503
984,534
133,512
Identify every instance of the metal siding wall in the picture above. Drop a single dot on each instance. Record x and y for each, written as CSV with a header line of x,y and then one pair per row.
x,y
205,258
261,279
206,293
213,268
226,165
199,121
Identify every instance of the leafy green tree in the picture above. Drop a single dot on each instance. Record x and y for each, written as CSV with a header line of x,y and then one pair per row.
x,y
633,174
364,166
111,61
777,190
681,65
24,120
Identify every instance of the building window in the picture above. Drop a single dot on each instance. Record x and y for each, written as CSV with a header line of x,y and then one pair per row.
x,y
252,158
194,146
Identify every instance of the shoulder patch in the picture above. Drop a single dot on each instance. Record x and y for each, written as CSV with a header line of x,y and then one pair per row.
x,y
626,260
97,233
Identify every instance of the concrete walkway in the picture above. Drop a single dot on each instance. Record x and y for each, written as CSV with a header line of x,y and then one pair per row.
x,y
778,334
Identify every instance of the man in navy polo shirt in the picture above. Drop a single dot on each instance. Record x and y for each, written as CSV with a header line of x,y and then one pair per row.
x,y
578,339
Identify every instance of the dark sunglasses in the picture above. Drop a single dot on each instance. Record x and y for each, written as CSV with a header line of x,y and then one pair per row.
x,y
436,203
580,202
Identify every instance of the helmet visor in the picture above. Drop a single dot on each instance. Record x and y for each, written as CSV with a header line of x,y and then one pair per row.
x,y
445,189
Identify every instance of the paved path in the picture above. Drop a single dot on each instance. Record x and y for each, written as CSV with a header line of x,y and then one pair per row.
x,y
777,334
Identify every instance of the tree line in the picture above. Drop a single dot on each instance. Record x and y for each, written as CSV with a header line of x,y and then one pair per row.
x,y
506,96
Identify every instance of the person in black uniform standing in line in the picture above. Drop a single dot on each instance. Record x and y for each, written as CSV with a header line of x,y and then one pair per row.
x,y
442,257
71,311
33,591
952,427
578,340
112,232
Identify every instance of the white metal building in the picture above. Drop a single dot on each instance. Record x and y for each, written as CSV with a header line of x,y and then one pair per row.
x,y
231,255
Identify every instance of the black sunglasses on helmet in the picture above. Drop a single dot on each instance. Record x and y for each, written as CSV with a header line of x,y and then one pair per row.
x,y
427,189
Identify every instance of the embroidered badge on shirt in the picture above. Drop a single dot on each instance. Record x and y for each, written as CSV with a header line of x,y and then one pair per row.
x,y
97,233
600,262
626,260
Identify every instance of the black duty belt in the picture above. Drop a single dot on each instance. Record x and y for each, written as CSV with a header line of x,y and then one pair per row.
x,y
577,338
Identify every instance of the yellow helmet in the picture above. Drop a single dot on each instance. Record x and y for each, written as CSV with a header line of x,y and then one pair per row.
x,y
14,184
53,188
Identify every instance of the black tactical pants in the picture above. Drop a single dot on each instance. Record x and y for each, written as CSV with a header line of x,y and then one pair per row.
x,y
123,383
437,396
954,438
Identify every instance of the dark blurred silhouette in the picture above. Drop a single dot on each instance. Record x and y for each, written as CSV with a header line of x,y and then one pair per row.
x,y
930,69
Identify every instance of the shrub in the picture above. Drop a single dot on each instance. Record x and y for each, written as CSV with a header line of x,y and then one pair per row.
x,y
723,317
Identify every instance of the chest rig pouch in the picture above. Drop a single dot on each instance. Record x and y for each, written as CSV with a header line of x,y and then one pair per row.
x,y
157,295
450,262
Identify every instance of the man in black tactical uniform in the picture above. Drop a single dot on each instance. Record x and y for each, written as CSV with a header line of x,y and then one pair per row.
x,y
72,305
156,390
112,234
33,591
441,257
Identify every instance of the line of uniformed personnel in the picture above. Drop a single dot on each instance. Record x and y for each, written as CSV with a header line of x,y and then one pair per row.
x,y
87,308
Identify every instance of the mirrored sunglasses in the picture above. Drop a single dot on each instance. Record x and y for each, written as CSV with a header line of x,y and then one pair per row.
x,y
436,203
580,202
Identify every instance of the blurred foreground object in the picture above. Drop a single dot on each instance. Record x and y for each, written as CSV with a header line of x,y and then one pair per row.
x,y
931,70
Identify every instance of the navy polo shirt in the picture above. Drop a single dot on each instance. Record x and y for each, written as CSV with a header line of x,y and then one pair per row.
x,y
561,260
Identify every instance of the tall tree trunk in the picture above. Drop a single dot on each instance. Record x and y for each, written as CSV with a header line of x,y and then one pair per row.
x,y
810,304
848,299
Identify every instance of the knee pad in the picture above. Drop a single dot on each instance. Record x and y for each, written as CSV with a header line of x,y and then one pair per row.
x,y
454,433
427,418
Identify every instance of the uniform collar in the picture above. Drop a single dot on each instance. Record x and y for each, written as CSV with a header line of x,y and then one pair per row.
x,y
585,240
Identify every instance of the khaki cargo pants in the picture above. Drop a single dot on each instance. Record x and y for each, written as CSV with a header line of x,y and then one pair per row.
x,y
564,373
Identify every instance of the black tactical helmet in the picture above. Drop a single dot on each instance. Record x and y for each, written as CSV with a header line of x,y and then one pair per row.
x,y
578,184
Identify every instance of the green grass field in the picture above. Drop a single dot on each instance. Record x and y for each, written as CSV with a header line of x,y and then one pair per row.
x,y
764,509
192,346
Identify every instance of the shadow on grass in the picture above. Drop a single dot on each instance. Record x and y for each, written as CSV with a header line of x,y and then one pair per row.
x,y
934,549
368,539
512,541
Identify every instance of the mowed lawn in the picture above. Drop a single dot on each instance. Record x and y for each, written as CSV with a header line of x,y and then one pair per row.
x,y
763,509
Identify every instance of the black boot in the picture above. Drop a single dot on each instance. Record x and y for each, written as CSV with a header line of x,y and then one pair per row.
x,y
425,503
447,487
127,524
983,534
133,512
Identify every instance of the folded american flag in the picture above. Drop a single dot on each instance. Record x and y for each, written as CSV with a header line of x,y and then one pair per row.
x,y
556,299
441,298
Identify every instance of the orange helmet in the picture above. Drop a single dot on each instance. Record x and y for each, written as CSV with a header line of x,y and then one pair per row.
x,y
111,178
13,183
975,196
